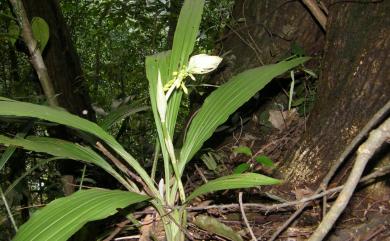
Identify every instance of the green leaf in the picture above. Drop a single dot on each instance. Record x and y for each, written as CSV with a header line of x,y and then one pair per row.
x,y
185,34
28,172
243,150
264,160
40,31
155,64
212,225
298,102
209,161
119,114
61,218
187,29
234,181
172,61
225,100
24,109
65,149
243,167
6,155
311,73
297,50
11,149
13,32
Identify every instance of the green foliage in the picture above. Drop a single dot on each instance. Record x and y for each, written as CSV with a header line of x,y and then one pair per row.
x,y
234,181
40,31
65,149
209,160
225,100
22,109
243,150
63,217
264,160
243,167
261,159
213,226
13,32
119,114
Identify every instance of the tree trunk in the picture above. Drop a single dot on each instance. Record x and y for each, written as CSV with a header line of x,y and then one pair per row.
x,y
354,81
174,11
61,59
354,85
64,69
264,32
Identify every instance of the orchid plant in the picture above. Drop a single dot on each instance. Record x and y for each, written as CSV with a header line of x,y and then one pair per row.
x,y
167,74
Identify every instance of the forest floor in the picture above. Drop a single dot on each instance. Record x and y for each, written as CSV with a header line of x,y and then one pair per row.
x,y
364,219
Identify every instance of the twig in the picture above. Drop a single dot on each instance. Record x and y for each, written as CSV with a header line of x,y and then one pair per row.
x,y
374,121
82,177
201,174
117,230
288,221
124,169
244,217
11,217
375,233
365,152
317,12
128,237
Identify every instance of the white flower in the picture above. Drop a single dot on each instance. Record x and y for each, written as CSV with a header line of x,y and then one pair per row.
x,y
203,63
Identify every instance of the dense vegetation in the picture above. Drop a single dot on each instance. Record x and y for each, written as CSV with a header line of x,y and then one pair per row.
x,y
122,111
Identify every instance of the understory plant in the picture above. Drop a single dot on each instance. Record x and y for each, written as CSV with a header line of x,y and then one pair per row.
x,y
167,74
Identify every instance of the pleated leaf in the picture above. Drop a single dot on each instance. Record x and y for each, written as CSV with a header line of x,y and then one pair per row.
x,y
155,64
65,149
61,218
244,180
187,29
24,109
225,100
172,61
185,34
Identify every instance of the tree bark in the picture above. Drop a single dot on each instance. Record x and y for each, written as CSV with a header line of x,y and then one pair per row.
x,y
354,81
61,59
64,68
264,32
34,52
354,84
174,11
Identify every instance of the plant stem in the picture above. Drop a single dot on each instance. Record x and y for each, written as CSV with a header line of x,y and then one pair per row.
x,y
35,52
82,177
171,152
155,159
8,210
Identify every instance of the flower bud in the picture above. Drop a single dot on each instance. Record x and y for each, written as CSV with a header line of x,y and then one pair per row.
x,y
203,63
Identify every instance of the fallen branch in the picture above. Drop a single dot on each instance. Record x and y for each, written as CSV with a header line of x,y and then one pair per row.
x,y
365,152
244,217
374,121
283,206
